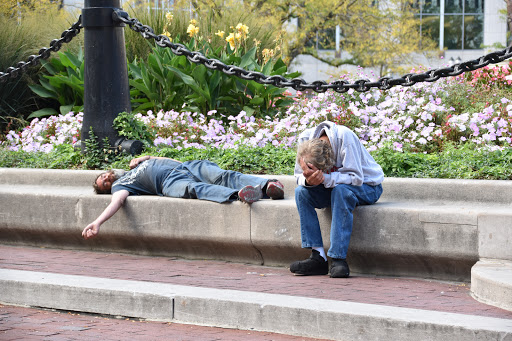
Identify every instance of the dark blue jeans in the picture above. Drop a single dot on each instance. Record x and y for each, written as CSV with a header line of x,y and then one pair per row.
x,y
342,200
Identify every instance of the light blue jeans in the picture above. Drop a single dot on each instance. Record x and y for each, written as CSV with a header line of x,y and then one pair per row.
x,y
202,179
342,199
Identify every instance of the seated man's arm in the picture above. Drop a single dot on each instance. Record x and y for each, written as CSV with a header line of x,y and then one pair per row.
x,y
135,162
117,201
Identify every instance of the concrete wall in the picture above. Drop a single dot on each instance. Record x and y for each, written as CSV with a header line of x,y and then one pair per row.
x,y
420,227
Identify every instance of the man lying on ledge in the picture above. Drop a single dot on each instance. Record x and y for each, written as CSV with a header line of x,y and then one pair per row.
x,y
198,179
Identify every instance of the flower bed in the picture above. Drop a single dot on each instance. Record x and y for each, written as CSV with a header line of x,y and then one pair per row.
x,y
417,118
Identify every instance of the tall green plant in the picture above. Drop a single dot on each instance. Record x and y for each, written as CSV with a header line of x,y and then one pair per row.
x,y
167,81
18,40
136,46
64,83
154,86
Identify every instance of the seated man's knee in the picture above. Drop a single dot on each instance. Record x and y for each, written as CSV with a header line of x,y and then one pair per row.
x,y
343,191
301,191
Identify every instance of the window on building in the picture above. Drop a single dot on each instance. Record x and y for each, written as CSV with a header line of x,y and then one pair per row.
x,y
453,24
323,40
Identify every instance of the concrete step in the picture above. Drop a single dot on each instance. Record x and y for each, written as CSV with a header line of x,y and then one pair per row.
x,y
491,282
247,297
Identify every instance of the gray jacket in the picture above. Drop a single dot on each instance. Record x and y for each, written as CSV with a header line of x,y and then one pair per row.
x,y
353,163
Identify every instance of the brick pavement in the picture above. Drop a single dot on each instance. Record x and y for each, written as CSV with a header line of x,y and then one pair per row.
x,y
28,324
397,292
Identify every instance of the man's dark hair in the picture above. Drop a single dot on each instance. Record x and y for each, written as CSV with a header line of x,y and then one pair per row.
x,y
98,190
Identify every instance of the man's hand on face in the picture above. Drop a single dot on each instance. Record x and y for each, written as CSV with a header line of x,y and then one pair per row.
x,y
313,175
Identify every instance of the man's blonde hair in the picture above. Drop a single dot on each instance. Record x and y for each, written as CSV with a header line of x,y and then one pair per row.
x,y
317,152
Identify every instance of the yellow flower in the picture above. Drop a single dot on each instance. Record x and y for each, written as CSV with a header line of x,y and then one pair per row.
x,y
267,55
242,29
193,22
238,36
231,40
169,16
192,30
167,34
220,34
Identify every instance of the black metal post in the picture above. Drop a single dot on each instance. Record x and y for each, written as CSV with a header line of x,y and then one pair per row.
x,y
106,88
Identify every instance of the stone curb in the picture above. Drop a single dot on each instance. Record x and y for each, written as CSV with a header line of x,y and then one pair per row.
x,y
410,189
491,282
235,309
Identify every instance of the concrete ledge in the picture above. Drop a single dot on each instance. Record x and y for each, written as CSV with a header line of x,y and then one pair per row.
x,y
491,282
421,227
235,309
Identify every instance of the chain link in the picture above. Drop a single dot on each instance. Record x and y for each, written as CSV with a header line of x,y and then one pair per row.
x,y
44,53
300,84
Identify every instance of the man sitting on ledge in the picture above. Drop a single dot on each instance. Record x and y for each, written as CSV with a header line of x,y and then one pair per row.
x,y
333,169
198,179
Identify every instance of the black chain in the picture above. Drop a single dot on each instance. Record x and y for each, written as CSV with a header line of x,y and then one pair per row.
x,y
300,84
44,53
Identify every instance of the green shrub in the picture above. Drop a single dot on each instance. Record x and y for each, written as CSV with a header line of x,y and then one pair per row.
x,y
61,157
245,159
19,40
461,162
166,81
64,84
454,162
132,128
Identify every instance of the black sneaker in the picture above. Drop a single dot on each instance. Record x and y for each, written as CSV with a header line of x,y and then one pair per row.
x,y
314,265
339,268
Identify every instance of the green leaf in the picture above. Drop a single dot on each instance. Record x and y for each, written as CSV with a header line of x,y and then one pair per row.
x,y
248,59
69,60
190,82
199,74
145,106
267,68
249,110
69,82
52,70
214,80
279,64
42,92
257,100
64,109
43,112
280,71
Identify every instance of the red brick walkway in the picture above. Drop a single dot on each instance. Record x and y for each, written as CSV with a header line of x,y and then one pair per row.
x,y
397,292
17,323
